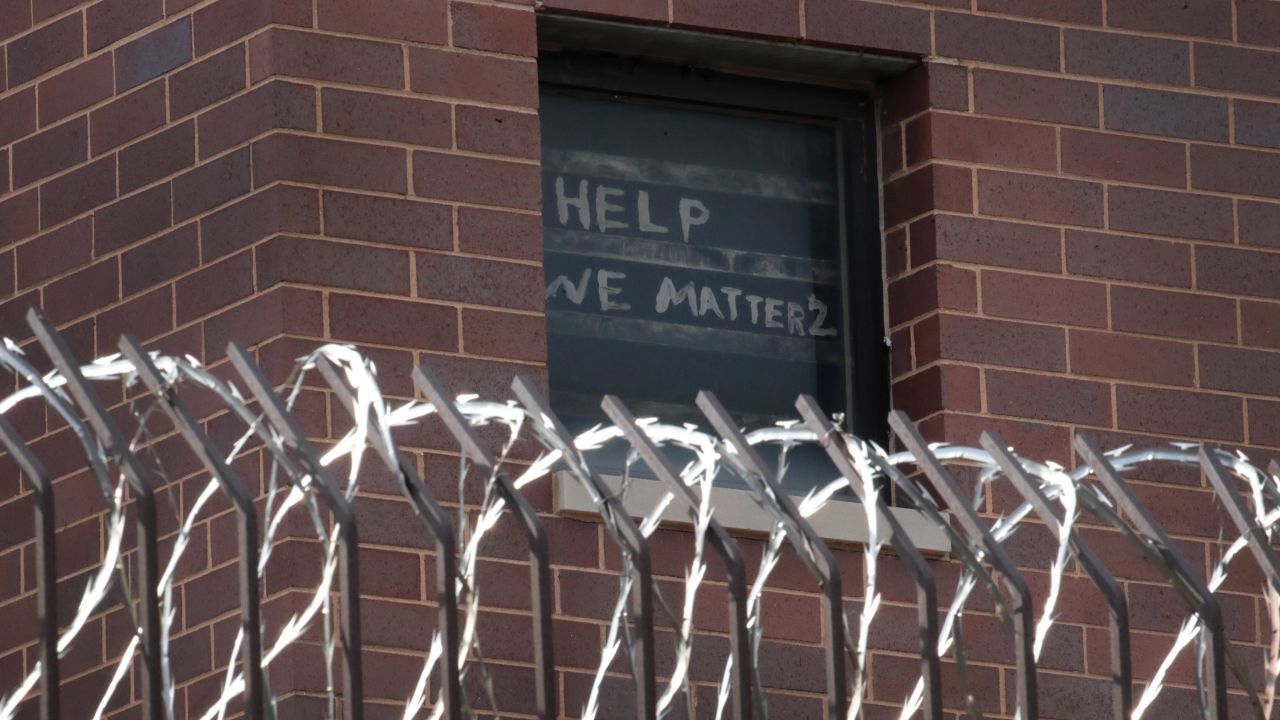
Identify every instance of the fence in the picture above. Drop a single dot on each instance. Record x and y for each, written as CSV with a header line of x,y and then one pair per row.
x,y
301,480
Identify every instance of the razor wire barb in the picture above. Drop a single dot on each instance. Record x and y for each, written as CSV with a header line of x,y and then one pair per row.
x,y
297,481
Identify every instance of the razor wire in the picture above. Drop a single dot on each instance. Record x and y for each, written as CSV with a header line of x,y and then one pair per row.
x,y
297,482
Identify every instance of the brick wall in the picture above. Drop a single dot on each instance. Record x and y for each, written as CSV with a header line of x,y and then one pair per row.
x,y
1077,236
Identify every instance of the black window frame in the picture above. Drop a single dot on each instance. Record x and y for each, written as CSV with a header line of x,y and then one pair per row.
x,y
851,112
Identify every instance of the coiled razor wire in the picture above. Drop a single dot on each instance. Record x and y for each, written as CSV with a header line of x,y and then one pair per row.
x,y
291,488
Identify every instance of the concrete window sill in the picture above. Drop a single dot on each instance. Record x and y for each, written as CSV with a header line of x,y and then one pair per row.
x,y
839,523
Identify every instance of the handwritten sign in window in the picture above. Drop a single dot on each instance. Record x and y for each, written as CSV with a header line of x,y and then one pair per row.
x,y
690,248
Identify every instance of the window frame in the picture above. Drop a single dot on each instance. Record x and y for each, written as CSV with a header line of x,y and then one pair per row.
x,y
580,55
851,113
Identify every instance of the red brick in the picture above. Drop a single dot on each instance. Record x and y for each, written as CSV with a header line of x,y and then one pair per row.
x,y
210,185
203,597
1128,57
1180,412
493,379
75,89
13,325
776,18
1119,157
1037,197
895,676
494,28
277,209
228,20
1260,324
930,289
158,156
1180,315
331,264
896,252
83,292
329,162
505,335
214,287
497,132
78,191
15,17
1224,67
46,9
938,388
38,52
1044,299
932,187
388,220
396,574
388,322
153,54
996,342
1043,397
281,51
55,252
1158,112
850,23
1035,97
892,156
144,317
1258,22
1256,372
1235,170
1127,357
927,86
17,115
111,20
424,21
499,234
131,218
1201,18
1264,422
981,140
476,180
480,282
127,117
1237,271
1082,12
632,10
160,260
50,151
1157,212
1256,123
994,40
206,82
1125,257
473,77
1068,695
386,117
274,105
19,217
267,315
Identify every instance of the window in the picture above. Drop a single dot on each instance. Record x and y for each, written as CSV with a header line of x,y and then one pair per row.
x,y
707,230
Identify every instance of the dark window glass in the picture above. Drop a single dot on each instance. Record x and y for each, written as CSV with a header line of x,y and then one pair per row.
x,y
694,245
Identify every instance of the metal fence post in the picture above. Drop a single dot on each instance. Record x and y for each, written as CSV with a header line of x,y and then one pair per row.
x,y
246,516
139,481
344,515
735,568
1024,621
921,575
535,536
1118,607
809,546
